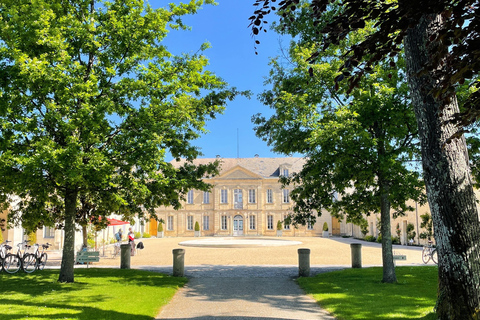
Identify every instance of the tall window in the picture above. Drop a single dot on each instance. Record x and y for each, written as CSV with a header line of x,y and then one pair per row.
x,y
252,222
190,197
170,223
237,199
206,197
189,222
206,223
224,196
251,196
270,222
286,196
48,232
285,172
285,226
224,223
269,196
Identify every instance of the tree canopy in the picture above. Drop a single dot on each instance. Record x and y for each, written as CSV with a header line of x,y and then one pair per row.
x,y
457,38
91,104
359,148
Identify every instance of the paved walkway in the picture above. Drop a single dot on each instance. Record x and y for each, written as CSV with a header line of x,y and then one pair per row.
x,y
243,292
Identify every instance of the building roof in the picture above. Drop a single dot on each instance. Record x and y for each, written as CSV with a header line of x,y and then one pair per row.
x,y
265,167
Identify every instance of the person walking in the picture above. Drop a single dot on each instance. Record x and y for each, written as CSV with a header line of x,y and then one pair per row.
x,y
118,236
131,241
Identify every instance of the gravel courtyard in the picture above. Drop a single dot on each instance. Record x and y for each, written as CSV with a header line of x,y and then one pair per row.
x,y
324,252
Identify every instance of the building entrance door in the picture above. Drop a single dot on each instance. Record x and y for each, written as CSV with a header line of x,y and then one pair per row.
x,y
335,227
153,227
238,225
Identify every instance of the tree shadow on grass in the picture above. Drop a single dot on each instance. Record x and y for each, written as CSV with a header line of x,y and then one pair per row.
x,y
359,294
78,312
22,293
34,284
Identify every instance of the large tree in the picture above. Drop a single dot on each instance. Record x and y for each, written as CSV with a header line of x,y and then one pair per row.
x,y
91,102
358,148
440,39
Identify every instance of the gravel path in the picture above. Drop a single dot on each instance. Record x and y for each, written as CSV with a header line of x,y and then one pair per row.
x,y
324,252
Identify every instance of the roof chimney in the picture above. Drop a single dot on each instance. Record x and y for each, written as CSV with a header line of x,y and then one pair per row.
x,y
256,155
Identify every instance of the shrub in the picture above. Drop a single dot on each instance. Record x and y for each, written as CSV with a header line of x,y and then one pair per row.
x,y
146,235
325,226
279,225
379,239
395,240
411,234
160,227
364,227
370,238
91,243
197,226
427,223
32,237
137,235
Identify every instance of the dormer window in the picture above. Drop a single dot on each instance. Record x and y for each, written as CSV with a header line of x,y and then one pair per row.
x,y
284,170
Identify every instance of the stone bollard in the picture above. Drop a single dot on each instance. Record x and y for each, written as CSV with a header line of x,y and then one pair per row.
x,y
356,249
178,262
125,256
304,262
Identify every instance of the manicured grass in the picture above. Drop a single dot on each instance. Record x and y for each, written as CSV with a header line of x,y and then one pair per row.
x,y
353,294
96,294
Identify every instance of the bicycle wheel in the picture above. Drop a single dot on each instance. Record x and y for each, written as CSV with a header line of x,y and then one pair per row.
x,y
12,263
426,255
435,256
42,261
29,263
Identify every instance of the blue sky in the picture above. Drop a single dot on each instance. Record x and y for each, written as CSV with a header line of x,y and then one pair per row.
x,y
232,57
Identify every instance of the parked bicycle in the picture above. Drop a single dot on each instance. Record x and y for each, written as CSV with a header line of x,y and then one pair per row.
x,y
14,261
42,256
36,260
29,260
429,252
3,252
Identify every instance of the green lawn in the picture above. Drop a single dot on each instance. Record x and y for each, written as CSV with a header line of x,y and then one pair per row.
x,y
354,294
96,294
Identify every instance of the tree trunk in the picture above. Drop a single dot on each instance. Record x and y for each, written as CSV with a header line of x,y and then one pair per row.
x,y
85,236
448,184
389,275
68,258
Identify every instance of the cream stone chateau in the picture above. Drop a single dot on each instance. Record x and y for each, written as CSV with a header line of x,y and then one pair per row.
x,y
247,199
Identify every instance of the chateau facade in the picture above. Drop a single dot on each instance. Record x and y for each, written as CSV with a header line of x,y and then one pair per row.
x,y
247,199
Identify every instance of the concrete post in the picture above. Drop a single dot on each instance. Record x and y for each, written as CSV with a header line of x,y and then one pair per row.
x,y
125,256
356,249
178,262
304,262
